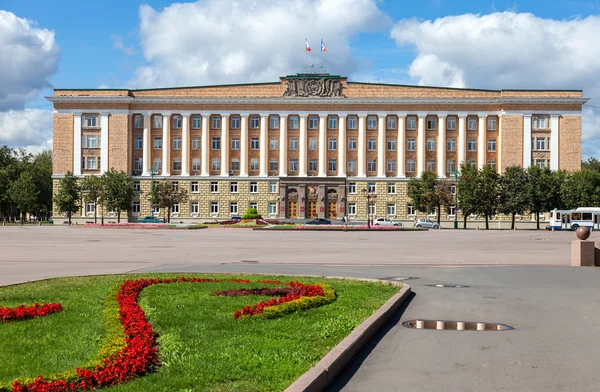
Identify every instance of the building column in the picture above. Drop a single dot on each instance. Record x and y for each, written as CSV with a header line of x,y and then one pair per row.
x,y
264,146
322,146
166,146
104,146
554,142
526,141
224,145
205,146
481,142
77,144
441,147
185,145
462,140
421,144
362,146
283,146
401,146
244,146
146,147
302,156
342,143
381,146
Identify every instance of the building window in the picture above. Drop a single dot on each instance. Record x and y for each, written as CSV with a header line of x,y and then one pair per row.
x,y
215,164
273,143
177,143
332,143
471,163
450,165
541,163
138,143
451,123
253,204
352,188
391,210
254,164
332,165
157,143
293,120
194,187
411,144
196,143
492,163
391,144
371,144
214,208
135,208
155,210
215,122
196,122
451,210
391,122
138,122
372,210
391,188
313,122
195,164
216,143
472,145
371,165
410,210
352,209
471,123
175,185
352,122
274,122
294,143
491,145
332,122
253,187
391,166
410,166
136,186
431,123
254,143
451,144
194,208
351,166
430,165
272,208
235,164
235,143
138,164
430,144
90,120
254,122
235,122
371,187
273,164
176,164
540,122
214,187
491,123
90,208
312,165
352,143
157,122
411,123
312,143
176,122
91,163
293,165
540,144
272,187
175,209
233,187
157,165
371,122
233,208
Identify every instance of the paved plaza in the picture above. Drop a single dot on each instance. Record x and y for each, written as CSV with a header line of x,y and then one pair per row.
x,y
522,279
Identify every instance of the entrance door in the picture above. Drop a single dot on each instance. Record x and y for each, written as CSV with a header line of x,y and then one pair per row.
x,y
312,209
331,210
292,209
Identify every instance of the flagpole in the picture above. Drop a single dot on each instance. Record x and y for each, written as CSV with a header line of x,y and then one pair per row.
x,y
305,56
321,49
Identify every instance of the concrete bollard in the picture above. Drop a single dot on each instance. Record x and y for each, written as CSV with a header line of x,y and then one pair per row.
x,y
440,325
481,326
460,326
583,253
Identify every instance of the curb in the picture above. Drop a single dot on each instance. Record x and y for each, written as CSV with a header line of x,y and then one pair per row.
x,y
334,362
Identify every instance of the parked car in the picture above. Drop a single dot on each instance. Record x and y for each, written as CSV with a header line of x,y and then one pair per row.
x,y
319,221
149,219
385,222
236,217
427,224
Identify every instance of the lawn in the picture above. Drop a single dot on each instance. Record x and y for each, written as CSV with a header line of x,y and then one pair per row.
x,y
200,344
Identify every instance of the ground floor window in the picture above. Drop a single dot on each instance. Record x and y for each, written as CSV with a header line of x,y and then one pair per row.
x,y
352,209
272,208
90,208
175,209
410,210
372,210
254,205
155,210
451,210
391,210
233,208
214,208
194,208
135,208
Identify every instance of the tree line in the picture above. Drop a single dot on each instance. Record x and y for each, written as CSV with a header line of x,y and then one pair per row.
x,y
485,193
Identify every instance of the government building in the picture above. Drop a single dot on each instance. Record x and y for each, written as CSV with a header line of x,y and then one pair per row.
x,y
308,145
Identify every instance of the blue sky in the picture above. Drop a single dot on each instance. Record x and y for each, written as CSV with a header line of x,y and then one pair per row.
x,y
105,45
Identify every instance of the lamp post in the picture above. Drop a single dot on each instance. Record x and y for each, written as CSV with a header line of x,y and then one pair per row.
x,y
456,173
153,197
371,198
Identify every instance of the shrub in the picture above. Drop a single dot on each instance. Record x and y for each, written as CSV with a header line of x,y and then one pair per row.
x,y
251,213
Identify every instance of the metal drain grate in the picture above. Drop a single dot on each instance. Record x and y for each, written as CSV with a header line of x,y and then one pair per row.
x,y
456,325
250,261
452,286
400,278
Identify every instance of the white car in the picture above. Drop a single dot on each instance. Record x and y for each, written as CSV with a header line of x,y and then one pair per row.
x,y
385,222
427,223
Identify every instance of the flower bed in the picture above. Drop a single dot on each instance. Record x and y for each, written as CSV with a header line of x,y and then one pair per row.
x,y
128,225
23,312
340,228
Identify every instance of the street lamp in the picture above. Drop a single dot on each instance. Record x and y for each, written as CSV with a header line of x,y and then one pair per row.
x,y
153,197
456,173
371,198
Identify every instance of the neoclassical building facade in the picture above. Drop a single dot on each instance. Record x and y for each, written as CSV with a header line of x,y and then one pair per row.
x,y
308,145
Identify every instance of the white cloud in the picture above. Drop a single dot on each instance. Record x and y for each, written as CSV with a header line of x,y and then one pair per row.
x,y
197,43
29,57
509,50
119,45
29,128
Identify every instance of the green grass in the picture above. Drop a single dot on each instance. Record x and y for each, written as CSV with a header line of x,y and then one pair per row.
x,y
201,346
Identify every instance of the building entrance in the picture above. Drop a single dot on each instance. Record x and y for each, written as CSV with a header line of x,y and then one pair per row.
x,y
331,210
292,209
312,209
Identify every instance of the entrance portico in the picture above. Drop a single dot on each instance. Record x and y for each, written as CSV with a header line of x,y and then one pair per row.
x,y
312,197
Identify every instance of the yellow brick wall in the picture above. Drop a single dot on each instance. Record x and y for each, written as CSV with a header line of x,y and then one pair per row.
x,y
119,139
569,140
511,142
62,144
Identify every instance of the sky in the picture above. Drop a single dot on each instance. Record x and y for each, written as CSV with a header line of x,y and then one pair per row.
x,y
500,44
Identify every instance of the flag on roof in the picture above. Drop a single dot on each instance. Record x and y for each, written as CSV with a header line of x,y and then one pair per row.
x,y
307,46
323,47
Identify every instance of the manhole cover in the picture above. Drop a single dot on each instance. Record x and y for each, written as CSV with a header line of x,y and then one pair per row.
x,y
400,278
250,261
452,286
456,325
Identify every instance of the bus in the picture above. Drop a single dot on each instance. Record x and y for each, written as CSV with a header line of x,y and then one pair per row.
x,y
573,219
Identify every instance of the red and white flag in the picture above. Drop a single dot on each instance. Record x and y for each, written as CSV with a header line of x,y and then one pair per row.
x,y
307,46
323,47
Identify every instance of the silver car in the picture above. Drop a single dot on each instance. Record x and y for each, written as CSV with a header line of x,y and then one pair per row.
x,y
385,222
426,223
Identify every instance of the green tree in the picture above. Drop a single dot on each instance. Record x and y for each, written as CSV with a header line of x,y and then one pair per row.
x,y
67,198
167,194
487,194
581,189
41,171
592,164
513,192
92,190
466,191
24,194
543,190
428,193
118,191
